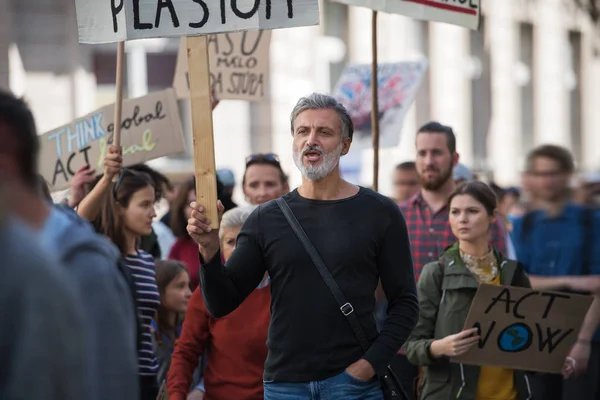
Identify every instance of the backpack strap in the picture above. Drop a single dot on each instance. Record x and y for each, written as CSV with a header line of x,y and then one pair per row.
x,y
587,247
527,225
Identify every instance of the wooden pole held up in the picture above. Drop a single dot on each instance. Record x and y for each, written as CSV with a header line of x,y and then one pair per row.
x,y
119,101
202,126
375,105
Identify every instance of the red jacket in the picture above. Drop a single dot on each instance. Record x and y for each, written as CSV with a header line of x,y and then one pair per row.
x,y
237,349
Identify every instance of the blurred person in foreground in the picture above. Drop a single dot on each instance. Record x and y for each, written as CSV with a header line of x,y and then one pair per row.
x,y
312,349
90,261
557,244
42,340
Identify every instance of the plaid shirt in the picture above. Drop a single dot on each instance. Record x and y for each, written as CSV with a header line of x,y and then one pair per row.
x,y
430,234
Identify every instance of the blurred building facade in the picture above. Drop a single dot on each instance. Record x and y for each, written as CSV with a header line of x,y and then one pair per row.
x,y
531,75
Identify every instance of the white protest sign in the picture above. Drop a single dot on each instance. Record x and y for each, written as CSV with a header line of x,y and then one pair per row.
x,y
239,66
108,21
457,12
398,84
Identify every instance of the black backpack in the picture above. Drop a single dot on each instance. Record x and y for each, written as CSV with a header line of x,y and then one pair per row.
x,y
587,225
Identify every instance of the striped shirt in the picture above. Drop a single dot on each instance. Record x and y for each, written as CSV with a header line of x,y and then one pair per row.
x,y
144,276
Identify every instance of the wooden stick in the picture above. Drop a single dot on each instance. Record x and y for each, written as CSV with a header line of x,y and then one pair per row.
x,y
119,102
116,139
375,106
202,126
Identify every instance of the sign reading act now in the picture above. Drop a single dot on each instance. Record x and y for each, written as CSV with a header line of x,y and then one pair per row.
x,y
109,21
524,329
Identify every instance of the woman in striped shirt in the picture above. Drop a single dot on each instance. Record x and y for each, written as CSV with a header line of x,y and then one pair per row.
x,y
126,211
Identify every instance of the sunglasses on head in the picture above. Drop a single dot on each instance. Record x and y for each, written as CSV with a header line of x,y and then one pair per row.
x,y
124,171
269,157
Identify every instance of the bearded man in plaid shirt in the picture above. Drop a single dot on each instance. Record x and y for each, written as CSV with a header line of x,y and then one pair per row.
x,y
426,214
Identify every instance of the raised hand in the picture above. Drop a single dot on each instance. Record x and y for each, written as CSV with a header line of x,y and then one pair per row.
x,y
200,231
113,162
83,176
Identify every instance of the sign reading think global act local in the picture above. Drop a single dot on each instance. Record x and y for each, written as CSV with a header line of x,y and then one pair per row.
x,y
150,128
524,329
109,21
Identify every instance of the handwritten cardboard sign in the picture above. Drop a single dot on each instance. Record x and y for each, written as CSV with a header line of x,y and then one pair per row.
x,y
108,21
398,84
239,66
151,128
523,328
464,13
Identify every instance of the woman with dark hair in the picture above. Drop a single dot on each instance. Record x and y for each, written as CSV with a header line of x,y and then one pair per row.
x,y
174,287
126,210
446,290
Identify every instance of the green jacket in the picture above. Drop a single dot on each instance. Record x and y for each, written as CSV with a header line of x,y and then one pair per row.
x,y
445,297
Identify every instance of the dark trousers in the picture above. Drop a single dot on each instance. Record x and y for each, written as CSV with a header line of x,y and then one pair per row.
x,y
582,387
406,374
148,388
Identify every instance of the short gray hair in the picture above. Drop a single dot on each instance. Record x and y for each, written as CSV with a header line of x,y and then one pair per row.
x,y
319,101
235,218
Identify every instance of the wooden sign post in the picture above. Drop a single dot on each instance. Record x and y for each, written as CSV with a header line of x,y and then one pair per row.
x,y
121,20
202,125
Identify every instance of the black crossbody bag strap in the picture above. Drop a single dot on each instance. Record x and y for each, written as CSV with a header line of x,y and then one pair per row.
x,y
390,383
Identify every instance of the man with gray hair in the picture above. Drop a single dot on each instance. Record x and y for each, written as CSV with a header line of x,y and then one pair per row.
x,y
359,235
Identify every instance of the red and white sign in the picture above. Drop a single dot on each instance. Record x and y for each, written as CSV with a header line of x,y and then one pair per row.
x,y
457,12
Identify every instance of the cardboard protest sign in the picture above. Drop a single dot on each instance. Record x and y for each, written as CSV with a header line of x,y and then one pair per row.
x,y
119,20
523,328
150,128
398,84
239,66
464,13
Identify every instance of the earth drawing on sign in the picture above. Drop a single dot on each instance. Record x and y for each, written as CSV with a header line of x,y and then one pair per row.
x,y
514,338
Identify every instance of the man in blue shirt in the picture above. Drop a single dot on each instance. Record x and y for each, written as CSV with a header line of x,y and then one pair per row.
x,y
555,244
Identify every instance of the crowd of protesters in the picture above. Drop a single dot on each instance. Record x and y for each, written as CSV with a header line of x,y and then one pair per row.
x,y
103,299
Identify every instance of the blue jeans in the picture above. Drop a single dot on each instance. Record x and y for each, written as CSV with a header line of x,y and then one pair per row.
x,y
342,386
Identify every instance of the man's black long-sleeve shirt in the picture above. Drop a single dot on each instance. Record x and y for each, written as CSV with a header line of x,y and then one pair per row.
x,y
361,239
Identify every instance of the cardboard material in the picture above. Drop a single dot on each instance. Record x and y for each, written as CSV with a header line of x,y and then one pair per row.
x,y
239,66
151,128
108,21
398,84
463,13
523,328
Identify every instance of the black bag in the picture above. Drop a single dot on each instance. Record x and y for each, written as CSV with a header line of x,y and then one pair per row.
x,y
389,382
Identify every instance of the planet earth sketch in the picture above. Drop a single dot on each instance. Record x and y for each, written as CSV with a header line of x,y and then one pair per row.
x,y
515,338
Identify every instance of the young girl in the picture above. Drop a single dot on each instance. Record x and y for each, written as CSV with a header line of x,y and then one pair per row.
x,y
446,290
173,283
126,209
